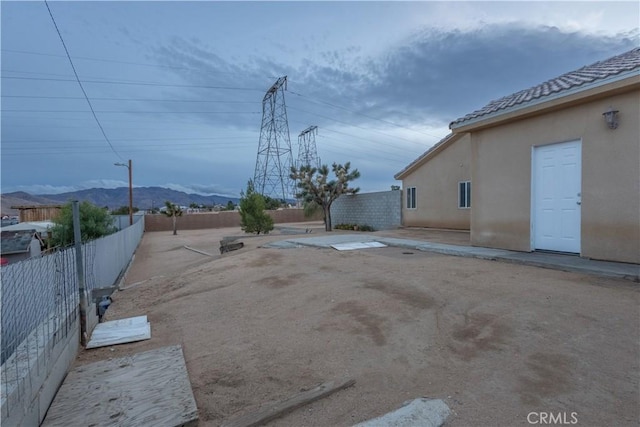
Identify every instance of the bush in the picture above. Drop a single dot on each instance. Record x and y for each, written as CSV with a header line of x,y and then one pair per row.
x,y
253,218
95,222
354,227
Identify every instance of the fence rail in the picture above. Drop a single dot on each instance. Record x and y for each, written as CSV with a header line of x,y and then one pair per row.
x,y
39,306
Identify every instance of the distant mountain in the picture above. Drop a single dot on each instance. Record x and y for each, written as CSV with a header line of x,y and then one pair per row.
x,y
113,198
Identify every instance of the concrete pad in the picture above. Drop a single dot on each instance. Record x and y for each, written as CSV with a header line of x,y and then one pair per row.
x,y
324,241
554,261
147,389
419,412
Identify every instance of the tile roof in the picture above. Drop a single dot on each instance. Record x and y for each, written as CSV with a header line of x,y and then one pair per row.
x,y
584,77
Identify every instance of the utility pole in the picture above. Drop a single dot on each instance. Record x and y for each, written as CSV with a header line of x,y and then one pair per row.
x,y
128,166
274,160
82,292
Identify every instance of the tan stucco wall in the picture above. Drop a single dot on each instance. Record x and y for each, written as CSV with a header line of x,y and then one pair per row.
x,y
501,178
436,185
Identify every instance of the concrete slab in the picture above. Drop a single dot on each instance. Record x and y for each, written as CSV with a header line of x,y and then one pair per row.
x,y
539,259
323,241
147,389
419,412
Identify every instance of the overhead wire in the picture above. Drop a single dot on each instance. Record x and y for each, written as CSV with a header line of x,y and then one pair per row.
x,y
352,125
129,99
319,102
135,83
132,112
85,58
302,96
80,83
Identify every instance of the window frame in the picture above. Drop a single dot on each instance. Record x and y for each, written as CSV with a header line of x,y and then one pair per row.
x,y
411,200
464,195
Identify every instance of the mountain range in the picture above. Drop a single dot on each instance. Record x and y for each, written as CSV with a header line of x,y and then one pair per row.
x,y
113,198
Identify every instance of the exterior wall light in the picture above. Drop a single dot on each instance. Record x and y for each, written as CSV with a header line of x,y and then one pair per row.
x,y
611,117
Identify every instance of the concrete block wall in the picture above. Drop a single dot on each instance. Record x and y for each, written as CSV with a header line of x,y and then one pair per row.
x,y
381,210
43,362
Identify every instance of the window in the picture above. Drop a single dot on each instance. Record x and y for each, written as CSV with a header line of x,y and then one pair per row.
x,y
464,194
411,198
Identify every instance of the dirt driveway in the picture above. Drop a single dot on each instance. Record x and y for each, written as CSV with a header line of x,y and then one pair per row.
x,y
495,341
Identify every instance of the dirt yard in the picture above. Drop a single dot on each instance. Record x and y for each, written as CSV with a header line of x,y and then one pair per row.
x,y
495,341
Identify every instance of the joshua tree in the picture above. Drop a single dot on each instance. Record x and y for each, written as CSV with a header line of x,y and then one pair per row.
x,y
173,211
316,188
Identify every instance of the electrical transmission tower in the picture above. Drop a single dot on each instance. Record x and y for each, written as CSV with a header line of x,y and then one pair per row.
x,y
274,161
307,152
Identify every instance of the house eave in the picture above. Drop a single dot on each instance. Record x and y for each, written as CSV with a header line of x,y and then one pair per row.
x,y
429,154
616,84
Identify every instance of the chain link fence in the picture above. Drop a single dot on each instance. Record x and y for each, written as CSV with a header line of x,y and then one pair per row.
x,y
39,303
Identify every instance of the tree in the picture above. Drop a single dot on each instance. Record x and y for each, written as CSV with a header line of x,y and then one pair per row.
x,y
123,210
272,204
315,186
95,222
173,211
194,205
253,218
230,206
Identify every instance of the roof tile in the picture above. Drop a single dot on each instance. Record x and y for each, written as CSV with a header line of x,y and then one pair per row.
x,y
627,61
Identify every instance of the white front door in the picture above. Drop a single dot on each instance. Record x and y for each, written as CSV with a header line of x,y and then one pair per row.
x,y
557,175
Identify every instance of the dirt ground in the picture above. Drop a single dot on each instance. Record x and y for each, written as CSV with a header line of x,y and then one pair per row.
x,y
495,341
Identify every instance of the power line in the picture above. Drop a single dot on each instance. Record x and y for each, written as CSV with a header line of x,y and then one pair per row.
x,y
126,99
132,112
80,83
356,126
28,141
88,150
86,58
116,61
319,102
132,83
144,147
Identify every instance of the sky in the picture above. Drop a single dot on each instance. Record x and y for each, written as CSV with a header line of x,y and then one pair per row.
x,y
177,87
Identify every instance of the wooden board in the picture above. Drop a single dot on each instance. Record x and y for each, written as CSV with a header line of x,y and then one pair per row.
x,y
147,389
276,410
120,331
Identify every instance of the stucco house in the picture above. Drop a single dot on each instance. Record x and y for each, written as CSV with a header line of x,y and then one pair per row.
x,y
554,167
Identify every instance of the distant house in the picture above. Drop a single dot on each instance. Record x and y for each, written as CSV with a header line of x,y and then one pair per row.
x,y
553,167
17,245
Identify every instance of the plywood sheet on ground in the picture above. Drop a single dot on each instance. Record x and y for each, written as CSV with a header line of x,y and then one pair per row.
x,y
120,332
147,389
357,245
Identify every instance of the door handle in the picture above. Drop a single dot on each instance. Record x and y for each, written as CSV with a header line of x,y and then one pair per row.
x,y
578,203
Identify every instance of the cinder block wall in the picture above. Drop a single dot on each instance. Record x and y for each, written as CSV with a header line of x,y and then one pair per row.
x,y
199,221
381,210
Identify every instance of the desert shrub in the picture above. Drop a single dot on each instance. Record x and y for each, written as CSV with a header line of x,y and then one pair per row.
x,y
354,227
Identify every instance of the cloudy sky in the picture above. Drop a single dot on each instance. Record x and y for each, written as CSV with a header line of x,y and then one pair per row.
x,y
177,87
